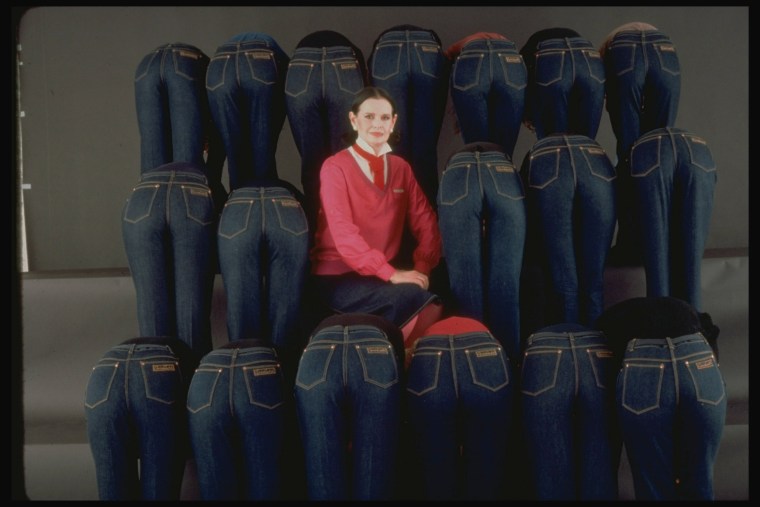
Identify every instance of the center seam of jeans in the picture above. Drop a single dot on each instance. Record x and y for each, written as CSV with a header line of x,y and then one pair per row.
x,y
671,348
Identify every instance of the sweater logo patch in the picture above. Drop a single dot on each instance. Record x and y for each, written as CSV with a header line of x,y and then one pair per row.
x,y
164,367
705,363
377,350
264,370
398,190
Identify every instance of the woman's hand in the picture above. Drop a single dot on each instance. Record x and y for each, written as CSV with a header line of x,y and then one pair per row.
x,y
411,276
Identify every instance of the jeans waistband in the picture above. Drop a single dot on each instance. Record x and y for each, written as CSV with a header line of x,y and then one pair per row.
x,y
408,36
134,351
484,45
240,357
475,157
162,176
179,46
564,140
463,341
565,43
636,343
260,193
349,334
662,132
243,46
640,36
575,338
324,54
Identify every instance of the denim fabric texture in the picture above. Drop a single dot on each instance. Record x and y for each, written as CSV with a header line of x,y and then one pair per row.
x,y
671,403
245,84
411,67
673,177
482,217
571,199
488,85
568,412
459,393
263,257
136,423
348,390
236,409
320,86
168,228
569,88
172,106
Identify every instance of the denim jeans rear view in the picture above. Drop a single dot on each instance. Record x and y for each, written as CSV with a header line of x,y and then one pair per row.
x,y
568,412
459,393
236,409
168,226
245,83
172,106
411,67
482,218
569,88
673,177
348,389
571,200
136,424
488,84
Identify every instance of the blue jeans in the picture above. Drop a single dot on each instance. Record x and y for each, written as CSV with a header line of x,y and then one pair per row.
x,y
263,257
411,67
482,218
569,88
567,384
168,227
459,395
348,389
320,86
134,406
671,403
236,409
572,208
488,84
673,179
172,106
245,85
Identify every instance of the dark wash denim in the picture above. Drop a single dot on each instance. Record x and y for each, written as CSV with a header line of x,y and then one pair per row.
x,y
411,67
236,409
136,423
348,389
245,84
263,257
488,85
567,385
459,394
168,228
172,106
569,88
673,177
671,403
320,86
571,201
482,219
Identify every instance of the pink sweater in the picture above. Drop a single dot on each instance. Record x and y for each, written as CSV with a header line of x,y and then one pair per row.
x,y
359,227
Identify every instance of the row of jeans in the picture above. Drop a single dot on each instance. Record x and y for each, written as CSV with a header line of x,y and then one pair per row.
x,y
450,427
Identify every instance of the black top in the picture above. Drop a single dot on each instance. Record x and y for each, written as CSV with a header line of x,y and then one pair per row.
x,y
403,28
327,38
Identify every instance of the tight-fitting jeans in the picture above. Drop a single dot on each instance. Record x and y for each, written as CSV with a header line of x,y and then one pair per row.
x,y
263,256
459,395
168,227
245,84
671,403
569,88
482,218
411,67
320,86
236,409
488,84
348,390
136,424
571,207
567,384
673,179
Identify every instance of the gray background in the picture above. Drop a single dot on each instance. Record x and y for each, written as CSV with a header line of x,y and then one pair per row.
x,y
79,137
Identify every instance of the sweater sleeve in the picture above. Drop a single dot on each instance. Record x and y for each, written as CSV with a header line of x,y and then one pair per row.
x,y
423,222
349,242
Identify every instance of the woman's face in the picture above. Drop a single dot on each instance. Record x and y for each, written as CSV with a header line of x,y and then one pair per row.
x,y
374,122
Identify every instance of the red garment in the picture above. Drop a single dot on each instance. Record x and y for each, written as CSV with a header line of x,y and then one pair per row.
x,y
455,326
453,51
376,165
359,227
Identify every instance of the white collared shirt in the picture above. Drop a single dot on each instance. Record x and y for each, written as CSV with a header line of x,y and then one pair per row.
x,y
364,165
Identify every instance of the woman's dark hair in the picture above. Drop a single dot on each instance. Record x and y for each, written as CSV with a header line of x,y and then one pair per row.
x,y
371,92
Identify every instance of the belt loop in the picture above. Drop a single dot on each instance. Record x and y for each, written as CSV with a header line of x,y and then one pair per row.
x,y
670,342
632,345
